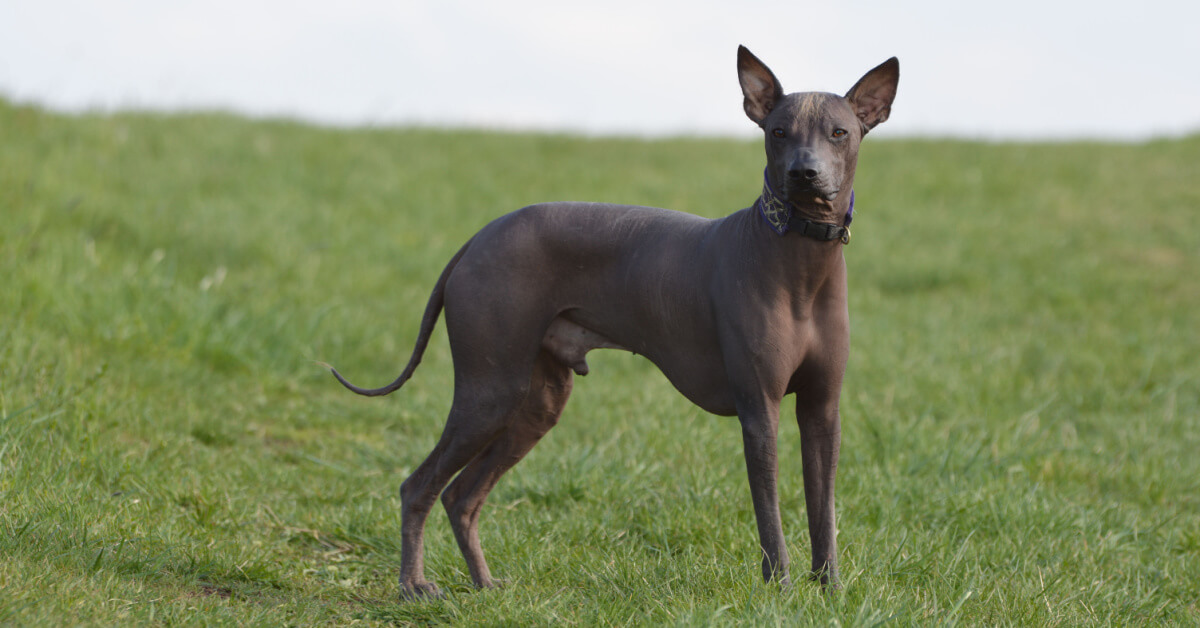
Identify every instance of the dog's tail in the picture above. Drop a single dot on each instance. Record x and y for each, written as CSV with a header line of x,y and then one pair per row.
x,y
432,310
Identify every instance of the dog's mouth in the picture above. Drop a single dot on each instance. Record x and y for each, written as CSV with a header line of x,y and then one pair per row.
x,y
809,192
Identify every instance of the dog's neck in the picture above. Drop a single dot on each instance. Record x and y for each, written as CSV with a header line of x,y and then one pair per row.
x,y
781,217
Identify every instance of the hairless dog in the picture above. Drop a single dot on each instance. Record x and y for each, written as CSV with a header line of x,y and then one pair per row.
x,y
737,312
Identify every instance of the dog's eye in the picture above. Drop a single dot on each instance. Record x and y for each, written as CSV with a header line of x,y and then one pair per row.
x,y
778,133
839,132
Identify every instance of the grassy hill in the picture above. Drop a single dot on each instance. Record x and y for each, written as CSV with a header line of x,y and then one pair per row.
x,y
1021,414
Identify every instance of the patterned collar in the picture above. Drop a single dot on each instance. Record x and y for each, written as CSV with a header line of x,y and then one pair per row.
x,y
778,215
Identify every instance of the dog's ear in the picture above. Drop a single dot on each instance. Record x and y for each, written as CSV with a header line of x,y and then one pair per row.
x,y
760,87
872,96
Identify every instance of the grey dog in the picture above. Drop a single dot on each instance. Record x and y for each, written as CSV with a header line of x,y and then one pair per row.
x,y
737,312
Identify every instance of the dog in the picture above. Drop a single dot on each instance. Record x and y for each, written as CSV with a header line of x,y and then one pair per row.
x,y
737,312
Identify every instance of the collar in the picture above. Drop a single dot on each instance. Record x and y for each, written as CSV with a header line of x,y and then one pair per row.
x,y
778,215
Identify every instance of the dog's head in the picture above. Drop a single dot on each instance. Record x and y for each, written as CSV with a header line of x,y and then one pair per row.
x,y
812,138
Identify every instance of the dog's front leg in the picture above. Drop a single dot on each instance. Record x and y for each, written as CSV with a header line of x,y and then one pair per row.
x,y
821,437
760,428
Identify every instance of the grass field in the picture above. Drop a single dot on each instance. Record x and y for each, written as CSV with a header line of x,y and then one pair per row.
x,y
1021,413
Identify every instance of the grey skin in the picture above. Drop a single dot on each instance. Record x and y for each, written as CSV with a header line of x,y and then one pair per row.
x,y
735,315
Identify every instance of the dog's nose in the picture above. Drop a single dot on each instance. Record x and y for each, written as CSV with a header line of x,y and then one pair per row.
x,y
804,166
803,173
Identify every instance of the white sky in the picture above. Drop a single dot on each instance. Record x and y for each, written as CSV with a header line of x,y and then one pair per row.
x,y
1014,69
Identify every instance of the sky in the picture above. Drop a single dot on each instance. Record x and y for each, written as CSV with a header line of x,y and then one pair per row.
x,y
1020,69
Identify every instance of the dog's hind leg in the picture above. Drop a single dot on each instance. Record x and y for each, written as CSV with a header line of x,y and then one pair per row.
x,y
550,386
475,421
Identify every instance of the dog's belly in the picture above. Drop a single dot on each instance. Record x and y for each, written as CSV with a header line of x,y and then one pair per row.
x,y
698,381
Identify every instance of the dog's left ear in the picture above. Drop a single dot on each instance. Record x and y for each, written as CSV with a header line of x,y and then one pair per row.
x,y
872,96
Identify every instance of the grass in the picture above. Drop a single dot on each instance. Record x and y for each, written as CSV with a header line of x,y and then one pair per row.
x,y
1021,414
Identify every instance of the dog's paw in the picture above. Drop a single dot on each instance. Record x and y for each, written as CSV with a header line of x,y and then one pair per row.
x,y
828,580
492,583
420,592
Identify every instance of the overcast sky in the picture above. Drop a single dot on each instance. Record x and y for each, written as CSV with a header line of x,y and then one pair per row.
x,y
1014,69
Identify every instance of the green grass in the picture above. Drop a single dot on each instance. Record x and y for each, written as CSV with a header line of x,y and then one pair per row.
x,y
1021,412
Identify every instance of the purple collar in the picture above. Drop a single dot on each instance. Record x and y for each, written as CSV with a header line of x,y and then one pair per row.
x,y
778,215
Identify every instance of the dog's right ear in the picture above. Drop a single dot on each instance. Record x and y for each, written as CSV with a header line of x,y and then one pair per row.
x,y
760,87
